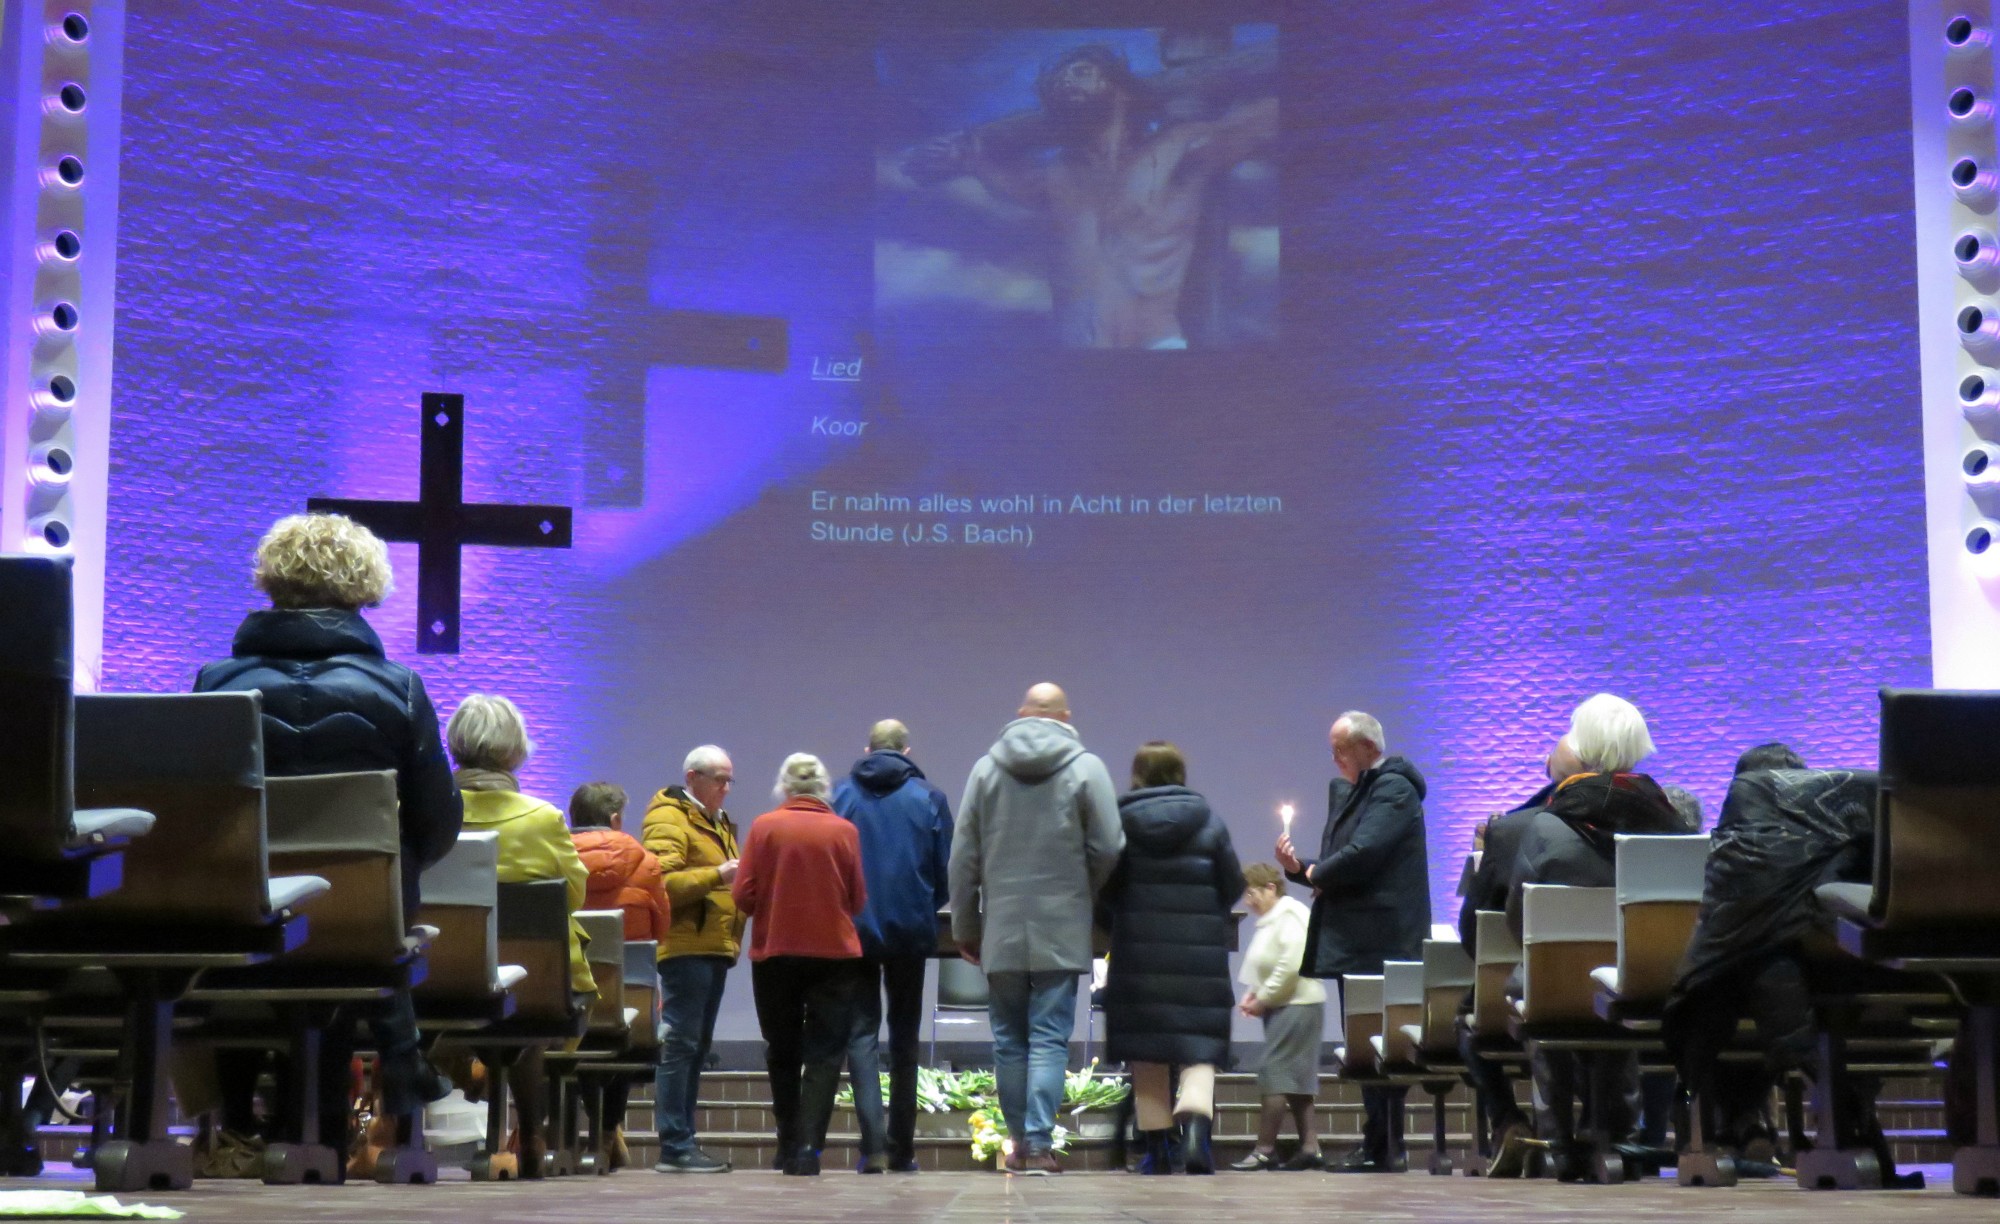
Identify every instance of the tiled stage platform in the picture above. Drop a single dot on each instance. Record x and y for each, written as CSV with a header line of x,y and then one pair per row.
x,y
644,1197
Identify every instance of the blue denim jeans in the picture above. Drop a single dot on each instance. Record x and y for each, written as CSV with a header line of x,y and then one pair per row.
x,y
1033,1015
690,997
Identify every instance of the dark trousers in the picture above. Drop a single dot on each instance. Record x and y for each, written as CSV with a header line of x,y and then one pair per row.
x,y
394,1025
1382,1122
1607,1081
1490,1082
805,1008
1776,996
902,979
690,997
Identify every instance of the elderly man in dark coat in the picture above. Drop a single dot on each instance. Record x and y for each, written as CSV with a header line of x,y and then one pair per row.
x,y
1371,896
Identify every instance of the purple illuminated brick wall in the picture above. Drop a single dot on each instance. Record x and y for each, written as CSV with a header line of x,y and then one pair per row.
x,y
1610,314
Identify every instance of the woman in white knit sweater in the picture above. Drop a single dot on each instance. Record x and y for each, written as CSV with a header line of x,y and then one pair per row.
x,y
1294,1012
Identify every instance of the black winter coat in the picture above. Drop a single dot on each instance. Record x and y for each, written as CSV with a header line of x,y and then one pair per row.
x,y
1574,840
1168,997
1372,888
334,704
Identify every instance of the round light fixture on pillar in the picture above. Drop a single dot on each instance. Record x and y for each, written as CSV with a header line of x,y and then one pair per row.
x,y
1976,186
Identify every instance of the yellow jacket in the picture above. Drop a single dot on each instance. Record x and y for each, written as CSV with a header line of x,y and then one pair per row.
x,y
692,848
535,845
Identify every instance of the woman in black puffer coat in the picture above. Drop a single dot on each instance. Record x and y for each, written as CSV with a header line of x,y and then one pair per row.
x,y
1168,1000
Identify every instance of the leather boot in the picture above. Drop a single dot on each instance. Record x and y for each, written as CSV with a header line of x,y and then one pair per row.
x,y
1195,1142
1159,1157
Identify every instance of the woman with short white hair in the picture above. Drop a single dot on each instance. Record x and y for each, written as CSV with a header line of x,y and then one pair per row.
x,y
800,884
1574,841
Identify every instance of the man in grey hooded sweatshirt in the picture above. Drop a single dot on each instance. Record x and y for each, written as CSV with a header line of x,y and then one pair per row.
x,y
1038,835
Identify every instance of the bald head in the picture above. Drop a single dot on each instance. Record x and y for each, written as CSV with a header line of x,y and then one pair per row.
x,y
1046,701
889,735
1563,762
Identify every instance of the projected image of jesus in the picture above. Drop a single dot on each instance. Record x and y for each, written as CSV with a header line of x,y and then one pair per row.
x,y
1125,185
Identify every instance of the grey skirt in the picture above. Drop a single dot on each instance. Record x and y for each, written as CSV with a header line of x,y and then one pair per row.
x,y
1291,1050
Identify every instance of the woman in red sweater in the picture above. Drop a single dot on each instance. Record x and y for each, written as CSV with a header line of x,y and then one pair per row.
x,y
800,884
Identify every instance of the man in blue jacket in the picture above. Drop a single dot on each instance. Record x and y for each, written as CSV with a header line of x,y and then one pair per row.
x,y
905,826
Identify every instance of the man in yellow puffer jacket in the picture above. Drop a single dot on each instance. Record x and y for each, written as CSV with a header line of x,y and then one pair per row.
x,y
696,845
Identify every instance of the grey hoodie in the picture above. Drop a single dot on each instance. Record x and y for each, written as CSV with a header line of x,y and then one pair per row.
x,y
1038,834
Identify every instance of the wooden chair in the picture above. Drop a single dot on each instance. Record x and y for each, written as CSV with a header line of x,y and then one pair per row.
x,y
1488,1026
607,1030
1931,909
1659,896
1566,933
197,893
533,923
465,987
1361,1026
358,954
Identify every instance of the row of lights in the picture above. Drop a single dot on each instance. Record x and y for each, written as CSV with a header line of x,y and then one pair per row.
x,y
1975,183
58,283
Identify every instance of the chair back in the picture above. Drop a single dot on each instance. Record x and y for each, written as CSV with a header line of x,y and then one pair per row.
x,y
642,992
1566,932
37,711
1659,884
961,986
1402,1010
1361,1021
461,896
1499,955
533,917
604,949
1937,819
342,828
196,761
1448,974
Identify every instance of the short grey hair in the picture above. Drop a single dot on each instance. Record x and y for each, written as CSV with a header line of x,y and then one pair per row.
x,y
705,758
889,735
1609,734
487,732
1686,806
803,774
1365,727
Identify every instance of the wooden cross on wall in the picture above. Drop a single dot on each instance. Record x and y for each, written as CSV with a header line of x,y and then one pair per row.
x,y
440,522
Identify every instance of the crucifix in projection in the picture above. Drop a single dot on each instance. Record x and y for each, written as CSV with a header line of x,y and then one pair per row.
x,y
440,522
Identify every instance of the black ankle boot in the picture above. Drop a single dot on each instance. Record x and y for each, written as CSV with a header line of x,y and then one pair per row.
x,y
1195,1141
1159,1157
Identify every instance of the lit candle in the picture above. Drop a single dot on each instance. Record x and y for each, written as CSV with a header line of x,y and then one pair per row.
x,y
1285,814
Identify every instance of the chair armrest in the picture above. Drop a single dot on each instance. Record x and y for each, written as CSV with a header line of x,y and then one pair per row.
x,y
1606,976
1846,900
109,824
287,892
